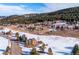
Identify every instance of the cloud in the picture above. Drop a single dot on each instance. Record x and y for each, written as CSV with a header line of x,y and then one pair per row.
x,y
25,9
57,6
12,9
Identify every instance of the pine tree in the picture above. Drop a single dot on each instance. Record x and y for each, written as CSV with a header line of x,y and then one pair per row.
x,y
7,51
17,35
24,38
26,43
42,47
20,39
34,52
75,50
50,51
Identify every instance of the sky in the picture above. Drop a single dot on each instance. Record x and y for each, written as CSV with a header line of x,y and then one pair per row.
x,y
7,9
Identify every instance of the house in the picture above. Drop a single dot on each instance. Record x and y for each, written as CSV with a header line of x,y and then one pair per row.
x,y
31,43
34,42
59,25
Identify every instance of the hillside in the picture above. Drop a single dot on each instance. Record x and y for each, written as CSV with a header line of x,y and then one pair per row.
x,y
68,14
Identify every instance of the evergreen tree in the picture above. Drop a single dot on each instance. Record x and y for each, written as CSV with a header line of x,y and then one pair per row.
x,y
75,50
7,51
17,35
42,47
34,52
26,43
24,38
20,39
50,51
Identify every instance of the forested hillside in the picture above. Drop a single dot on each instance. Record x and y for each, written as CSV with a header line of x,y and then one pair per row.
x,y
68,14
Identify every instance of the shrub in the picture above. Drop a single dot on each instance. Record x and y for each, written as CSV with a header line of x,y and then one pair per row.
x,y
50,51
75,50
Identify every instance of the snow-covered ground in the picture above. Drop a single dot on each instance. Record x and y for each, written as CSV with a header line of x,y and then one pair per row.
x,y
60,45
3,45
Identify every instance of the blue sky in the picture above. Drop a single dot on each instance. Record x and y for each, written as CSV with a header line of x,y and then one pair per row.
x,y
7,9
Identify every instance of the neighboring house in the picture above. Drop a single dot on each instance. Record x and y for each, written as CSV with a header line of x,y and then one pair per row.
x,y
59,24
